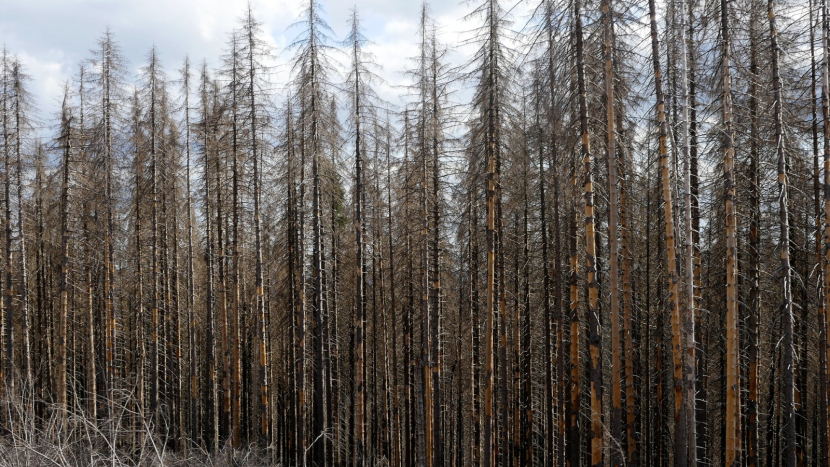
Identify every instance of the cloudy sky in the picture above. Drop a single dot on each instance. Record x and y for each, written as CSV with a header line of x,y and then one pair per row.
x,y
52,37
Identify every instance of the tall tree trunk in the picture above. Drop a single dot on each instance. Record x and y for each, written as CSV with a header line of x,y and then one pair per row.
x,y
8,294
24,271
546,299
553,353
360,284
698,388
66,129
526,354
594,331
824,309
435,335
754,273
631,436
396,427
191,292
212,434
107,63
317,270
787,380
234,328
154,246
140,350
491,155
264,428
686,450
613,228
671,249
733,397
408,353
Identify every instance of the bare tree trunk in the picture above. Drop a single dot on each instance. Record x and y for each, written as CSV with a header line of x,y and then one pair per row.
x,y
317,270
140,350
824,309
689,457
213,396
546,299
221,231
475,338
438,455
107,65
754,273
66,127
264,413
594,331
408,341
674,278
526,354
396,427
154,246
613,245
234,328
491,149
191,301
574,403
360,282
788,384
8,355
733,398
24,271
631,436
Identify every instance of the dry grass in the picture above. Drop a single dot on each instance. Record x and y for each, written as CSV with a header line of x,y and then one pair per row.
x,y
73,439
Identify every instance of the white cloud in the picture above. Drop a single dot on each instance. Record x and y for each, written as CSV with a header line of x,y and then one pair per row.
x,y
53,36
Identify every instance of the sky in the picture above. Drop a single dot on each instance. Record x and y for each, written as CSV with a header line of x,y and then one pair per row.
x,y
53,37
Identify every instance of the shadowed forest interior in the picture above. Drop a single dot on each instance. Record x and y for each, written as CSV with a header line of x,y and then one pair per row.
x,y
600,238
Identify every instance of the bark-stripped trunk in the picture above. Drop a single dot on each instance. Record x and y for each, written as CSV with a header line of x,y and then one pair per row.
x,y
733,397
671,248
613,245
594,331
686,449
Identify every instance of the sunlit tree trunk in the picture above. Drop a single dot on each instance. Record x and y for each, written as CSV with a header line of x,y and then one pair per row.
x,y
733,397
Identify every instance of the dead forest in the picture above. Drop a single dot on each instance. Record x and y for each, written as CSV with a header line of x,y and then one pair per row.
x,y
601,238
